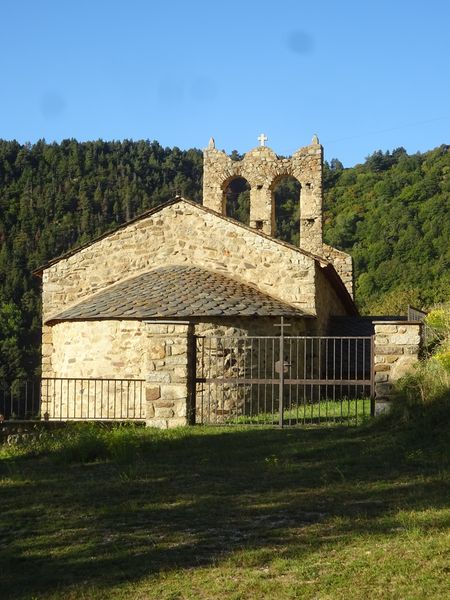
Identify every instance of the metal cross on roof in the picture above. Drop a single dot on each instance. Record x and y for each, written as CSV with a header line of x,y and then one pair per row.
x,y
262,139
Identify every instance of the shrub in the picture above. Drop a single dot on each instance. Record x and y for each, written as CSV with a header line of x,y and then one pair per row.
x,y
428,386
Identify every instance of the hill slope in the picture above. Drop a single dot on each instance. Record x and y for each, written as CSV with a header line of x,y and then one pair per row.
x,y
392,213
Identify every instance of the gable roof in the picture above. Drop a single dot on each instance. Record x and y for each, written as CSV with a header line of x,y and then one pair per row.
x,y
327,267
161,207
178,292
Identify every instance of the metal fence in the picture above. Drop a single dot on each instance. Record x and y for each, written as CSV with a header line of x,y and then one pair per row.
x,y
318,379
20,399
72,398
284,380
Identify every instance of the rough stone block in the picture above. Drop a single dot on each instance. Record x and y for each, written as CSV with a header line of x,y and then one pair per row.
x,y
178,361
179,374
152,393
406,339
383,329
391,350
177,349
392,358
174,392
382,406
177,422
157,423
158,377
379,377
381,367
164,404
157,351
154,328
414,350
383,389
180,409
180,330
163,412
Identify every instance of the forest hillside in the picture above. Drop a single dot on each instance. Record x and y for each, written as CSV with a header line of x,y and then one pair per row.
x,y
392,213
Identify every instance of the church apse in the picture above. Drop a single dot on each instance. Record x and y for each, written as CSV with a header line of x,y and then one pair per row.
x,y
262,168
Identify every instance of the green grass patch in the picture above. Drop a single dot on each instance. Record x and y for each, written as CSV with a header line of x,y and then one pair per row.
x,y
238,513
326,412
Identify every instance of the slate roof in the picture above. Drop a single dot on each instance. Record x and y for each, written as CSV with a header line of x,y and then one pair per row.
x,y
176,292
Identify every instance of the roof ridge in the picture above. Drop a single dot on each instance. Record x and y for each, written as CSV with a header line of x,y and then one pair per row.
x,y
172,202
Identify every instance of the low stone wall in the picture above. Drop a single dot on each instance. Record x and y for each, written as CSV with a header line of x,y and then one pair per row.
x,y
396,350
20,432
16,433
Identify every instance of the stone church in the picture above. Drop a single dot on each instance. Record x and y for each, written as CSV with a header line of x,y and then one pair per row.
x,y
129,304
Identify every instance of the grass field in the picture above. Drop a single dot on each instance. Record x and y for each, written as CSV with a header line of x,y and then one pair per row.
x,y
235,513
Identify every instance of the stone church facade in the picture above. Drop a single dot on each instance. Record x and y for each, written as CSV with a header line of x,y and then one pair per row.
x,y
130,304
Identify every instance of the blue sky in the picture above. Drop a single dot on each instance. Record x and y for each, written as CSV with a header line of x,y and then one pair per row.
x,y
363,75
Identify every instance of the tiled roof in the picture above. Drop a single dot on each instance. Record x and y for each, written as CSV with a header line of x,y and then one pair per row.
x,y
177,292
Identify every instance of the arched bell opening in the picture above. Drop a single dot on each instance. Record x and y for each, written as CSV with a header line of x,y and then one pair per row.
x,y
286,198
236,195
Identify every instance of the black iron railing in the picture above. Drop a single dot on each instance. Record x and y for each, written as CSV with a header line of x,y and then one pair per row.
x,y
73,398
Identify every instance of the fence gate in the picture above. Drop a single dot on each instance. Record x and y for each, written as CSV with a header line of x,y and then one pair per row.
x,y
240,380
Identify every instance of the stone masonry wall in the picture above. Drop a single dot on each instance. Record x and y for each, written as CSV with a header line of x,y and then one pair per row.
x,y
343,263
396,350
157,353
101,349
263,169
328,303
177,234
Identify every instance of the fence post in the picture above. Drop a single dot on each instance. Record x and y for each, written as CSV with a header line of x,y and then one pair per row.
x,y
372,376
192,375
281,393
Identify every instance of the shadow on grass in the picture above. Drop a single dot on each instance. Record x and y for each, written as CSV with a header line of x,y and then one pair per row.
x,y
193,497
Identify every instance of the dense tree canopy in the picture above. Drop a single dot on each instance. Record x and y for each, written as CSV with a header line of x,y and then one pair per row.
x,y
392,213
